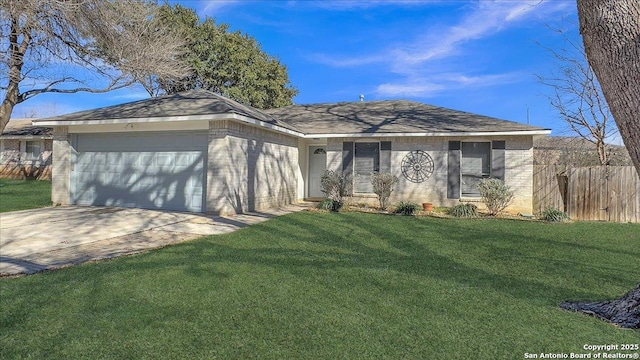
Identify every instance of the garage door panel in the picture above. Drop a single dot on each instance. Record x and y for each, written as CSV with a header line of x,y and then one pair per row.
x,y
164,160
129,159
129,180
99,159
150,170
183,159
115,159
145,159
85,197
195,201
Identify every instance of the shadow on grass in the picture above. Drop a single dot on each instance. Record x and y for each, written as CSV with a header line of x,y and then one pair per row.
x,y
469,254
315,256
438,249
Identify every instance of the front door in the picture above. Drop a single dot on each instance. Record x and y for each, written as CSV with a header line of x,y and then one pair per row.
x,y
317,166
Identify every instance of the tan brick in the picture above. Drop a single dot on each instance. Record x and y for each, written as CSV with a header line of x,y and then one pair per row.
x,y
518,172
249,168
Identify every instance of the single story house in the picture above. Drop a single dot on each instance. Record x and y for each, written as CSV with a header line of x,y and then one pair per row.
x,y
200,152
25,150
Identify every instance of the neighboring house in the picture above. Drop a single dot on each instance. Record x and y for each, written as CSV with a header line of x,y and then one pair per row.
x,y
197,151
25,150
573,151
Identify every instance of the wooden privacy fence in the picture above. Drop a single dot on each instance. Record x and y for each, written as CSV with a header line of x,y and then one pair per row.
x,y
606,193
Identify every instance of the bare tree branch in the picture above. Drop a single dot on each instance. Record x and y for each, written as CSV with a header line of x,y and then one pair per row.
x,y
577,96
69,46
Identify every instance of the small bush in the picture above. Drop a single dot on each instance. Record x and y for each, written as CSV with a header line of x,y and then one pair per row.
x,y
407,208
464,210
495,194
383,185
328,204
553,214
336,187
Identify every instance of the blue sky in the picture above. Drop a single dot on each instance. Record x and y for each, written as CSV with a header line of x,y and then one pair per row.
x,y
476,56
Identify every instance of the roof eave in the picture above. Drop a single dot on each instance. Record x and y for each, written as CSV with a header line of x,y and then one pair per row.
x,y
209,117
264,124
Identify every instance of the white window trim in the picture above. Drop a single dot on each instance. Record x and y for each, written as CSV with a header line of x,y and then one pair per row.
x,y
24,157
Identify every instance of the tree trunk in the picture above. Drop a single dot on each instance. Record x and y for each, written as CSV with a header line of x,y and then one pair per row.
x,y
17,50
611,33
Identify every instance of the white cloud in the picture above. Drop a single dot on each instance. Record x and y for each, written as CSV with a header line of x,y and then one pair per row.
x,y
439,41
130,95
347,5
421,61
212,7
346,61
423,89
437,83
486,19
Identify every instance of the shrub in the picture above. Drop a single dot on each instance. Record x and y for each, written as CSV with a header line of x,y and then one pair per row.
x,y
336,187
464,211
383,185
553,214
325,204
406,208
495,194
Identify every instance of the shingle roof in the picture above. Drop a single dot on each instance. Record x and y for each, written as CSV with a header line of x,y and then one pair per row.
x,y
379,117
188,103
23,127
390,116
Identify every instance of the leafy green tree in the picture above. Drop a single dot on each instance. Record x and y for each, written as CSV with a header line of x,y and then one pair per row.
x,y
225,62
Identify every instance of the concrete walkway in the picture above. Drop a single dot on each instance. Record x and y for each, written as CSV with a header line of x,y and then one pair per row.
x,y
50,238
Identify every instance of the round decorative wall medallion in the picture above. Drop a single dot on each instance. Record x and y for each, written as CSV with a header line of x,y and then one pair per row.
x,y
417,166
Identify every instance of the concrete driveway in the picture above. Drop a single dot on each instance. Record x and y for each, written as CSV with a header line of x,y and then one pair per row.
x,y
48,238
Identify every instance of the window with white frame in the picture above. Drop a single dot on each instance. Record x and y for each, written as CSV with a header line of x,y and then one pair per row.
x,y
32,150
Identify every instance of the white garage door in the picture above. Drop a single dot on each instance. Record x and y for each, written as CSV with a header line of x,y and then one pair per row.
x,y
145,170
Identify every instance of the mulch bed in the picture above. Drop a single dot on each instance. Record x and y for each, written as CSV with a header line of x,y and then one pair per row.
x,y
624,312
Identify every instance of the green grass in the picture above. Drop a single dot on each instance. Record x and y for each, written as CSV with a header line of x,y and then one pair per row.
x,y
24,194
324,285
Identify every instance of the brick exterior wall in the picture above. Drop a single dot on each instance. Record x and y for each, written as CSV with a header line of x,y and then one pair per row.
x,y
10,150
249,168
61,166
518,170
13,167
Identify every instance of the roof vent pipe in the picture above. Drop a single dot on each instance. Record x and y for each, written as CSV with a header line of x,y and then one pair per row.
x,y
361,98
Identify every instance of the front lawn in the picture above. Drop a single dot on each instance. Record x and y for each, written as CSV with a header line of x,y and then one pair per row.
x,y
325,286
24,194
